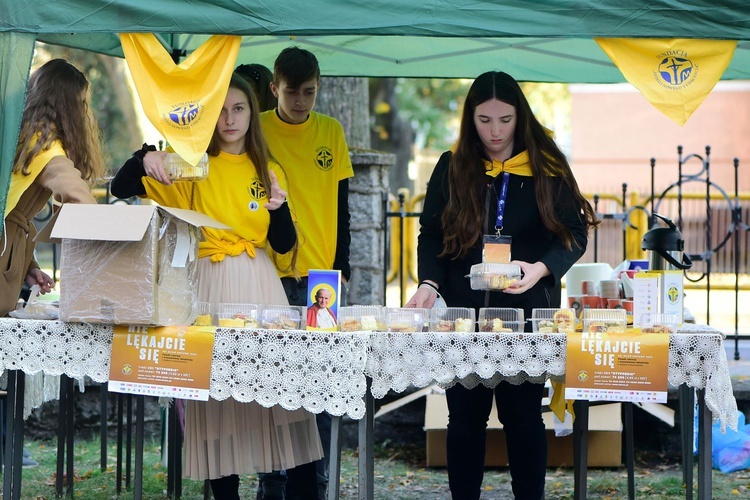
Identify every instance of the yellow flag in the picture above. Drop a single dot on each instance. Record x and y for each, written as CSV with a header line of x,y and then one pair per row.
x,y
183,101
674,74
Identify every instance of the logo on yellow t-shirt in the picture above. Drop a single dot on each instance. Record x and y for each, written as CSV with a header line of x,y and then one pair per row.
x,y
256,189
324,158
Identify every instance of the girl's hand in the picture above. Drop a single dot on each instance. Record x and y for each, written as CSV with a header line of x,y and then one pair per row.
x,y
532,273
38,277
276,196
423,297
153,164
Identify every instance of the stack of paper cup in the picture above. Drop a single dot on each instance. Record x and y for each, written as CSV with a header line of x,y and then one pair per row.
x,y
609,289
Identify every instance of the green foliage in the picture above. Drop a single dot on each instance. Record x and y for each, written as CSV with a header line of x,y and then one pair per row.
x,y
432,106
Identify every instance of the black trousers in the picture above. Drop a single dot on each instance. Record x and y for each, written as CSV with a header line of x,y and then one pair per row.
x,y
519,410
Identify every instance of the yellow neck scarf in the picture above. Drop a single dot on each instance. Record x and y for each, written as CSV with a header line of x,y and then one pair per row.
x,y
518,165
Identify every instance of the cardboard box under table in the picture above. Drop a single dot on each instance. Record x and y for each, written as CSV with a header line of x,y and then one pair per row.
x,y
128,264
604,439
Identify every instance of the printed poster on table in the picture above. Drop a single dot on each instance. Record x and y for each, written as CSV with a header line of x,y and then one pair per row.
x,y
168,361
630,366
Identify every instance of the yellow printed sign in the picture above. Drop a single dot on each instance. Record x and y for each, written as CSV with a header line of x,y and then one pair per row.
x,y
674,74
168,361
630,366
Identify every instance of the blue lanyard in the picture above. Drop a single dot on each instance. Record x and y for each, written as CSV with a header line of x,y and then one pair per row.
x,y
501,202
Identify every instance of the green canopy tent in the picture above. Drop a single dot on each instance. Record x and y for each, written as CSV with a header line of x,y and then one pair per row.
x,y
543,40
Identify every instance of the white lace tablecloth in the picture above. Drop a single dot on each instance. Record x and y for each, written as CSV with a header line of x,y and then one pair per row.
x,y
295,369
397,361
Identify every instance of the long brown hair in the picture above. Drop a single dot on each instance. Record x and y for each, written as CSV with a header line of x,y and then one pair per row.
x,y
464,215
256,148
57,108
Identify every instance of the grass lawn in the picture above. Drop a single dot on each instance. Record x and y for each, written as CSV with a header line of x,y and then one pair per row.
x,y
399,474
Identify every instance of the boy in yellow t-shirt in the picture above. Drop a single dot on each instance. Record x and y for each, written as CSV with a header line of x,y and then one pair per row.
x,y
311,148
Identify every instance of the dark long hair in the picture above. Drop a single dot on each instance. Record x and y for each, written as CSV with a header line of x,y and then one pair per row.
x,y
57,108
259,77
464,215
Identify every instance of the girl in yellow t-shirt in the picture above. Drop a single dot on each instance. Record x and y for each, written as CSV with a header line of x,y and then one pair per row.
x,y
224,439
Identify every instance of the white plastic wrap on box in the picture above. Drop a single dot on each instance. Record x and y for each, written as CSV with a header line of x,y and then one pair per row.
x,y
148,282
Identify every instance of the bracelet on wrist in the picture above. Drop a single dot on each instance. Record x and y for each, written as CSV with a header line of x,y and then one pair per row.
x,y
430,286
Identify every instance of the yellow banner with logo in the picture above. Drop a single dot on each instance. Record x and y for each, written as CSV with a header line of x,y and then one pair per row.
x,y
675,74
183,101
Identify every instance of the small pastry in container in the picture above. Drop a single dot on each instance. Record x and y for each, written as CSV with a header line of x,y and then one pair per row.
x,y
204,317
282,317
604,320
500,319
180,170
659,323
361,318
233,315
452,319
407,319
552,320
493,276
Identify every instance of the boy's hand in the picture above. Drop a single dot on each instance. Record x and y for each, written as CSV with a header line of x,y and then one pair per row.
x,y
276,196
153,164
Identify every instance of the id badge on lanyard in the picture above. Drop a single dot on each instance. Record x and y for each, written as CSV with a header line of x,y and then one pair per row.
x,y
496,247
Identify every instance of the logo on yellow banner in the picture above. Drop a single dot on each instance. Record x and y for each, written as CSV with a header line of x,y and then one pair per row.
x,y
675,71
183,115
675,75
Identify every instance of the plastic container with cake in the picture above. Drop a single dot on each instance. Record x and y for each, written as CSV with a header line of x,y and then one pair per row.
x,y
205,315
178,169
362,318
605,320
236,315
493,276
659,323
452,319
407,319
282,317
500,320
553,320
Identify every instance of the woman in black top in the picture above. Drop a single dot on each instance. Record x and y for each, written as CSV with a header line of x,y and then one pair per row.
x,y
548,220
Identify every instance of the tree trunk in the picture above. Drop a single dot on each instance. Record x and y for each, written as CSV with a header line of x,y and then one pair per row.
x,y
346,99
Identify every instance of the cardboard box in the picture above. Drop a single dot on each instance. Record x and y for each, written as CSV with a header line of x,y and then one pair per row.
x,y
605,437
127,264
